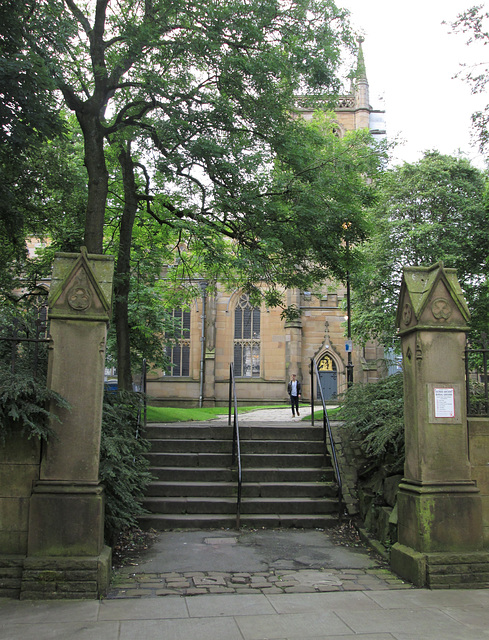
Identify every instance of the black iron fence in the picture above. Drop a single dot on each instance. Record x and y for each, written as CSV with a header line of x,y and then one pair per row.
x,y
24,340
477,383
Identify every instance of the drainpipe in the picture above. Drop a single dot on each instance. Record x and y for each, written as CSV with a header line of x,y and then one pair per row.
x,y
203,287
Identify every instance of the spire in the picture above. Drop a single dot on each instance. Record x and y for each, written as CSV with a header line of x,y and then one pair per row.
x,y
361,89
361,72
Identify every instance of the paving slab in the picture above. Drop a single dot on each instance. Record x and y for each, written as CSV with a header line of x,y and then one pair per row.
x,y
472,617
424,598
435,634
310,602
361,636
291,625
229,605
193,629
39,612
61,631
143,609
412,621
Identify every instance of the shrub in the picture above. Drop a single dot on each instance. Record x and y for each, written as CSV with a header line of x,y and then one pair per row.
x,y
124,469
24,408
24,396
374,414
24,404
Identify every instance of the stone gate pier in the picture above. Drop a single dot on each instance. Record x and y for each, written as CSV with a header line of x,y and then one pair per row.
x,y
66,556
440,531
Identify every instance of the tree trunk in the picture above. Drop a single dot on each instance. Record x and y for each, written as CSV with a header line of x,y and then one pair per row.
x,y
123,270
98,180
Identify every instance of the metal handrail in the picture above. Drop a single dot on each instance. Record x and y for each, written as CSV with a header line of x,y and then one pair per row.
x,y
142,409
236,454
326,431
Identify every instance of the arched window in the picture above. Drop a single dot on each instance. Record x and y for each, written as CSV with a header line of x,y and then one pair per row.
x,y
246,339
178,352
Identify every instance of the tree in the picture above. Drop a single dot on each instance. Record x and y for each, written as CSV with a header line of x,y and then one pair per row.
x,y
474,22
49,187
190,62
204,95
282,226
430,210
29,116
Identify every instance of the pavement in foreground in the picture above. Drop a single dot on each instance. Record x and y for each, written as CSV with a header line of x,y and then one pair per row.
x,y
300,586
412,614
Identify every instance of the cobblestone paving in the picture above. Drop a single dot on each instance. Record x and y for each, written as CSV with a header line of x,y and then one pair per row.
x,y
139,585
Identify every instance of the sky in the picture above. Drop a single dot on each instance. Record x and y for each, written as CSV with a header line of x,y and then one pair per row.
x,y
411,60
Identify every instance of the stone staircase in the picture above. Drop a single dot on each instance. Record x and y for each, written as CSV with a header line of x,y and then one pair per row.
x,y
287,481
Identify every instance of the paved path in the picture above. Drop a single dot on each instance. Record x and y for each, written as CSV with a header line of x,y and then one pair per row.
x,y
256,561
414,614
271,415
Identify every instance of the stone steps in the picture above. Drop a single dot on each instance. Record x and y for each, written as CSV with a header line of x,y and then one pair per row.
x,y
162,522
222,504
287,479
250,489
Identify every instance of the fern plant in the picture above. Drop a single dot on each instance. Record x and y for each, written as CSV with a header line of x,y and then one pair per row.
x,y
24,396
24,404
374,415
124,469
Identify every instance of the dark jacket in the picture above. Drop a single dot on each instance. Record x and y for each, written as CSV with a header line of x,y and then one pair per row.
x,y
299,388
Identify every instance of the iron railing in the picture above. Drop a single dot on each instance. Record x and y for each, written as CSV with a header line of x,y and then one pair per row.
x,y
327,433
476,379
236,453
143,403
34,335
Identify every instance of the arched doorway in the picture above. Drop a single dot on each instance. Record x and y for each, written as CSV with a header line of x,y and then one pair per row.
x,y
328,377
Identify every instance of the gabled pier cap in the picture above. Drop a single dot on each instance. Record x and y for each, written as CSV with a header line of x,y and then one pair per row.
x,y
431,298
81,286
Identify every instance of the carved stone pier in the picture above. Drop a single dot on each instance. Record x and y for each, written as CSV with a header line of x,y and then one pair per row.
x,y
66,556
440,513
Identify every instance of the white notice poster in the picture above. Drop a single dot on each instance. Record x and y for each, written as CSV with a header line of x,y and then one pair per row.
x,y
444,403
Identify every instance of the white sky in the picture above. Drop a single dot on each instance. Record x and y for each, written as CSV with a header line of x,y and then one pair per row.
x,y
411,59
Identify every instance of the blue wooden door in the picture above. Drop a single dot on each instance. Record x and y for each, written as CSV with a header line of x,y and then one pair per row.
x,y
328,377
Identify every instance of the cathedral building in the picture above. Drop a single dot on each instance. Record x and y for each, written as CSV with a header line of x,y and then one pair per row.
x,y
265,350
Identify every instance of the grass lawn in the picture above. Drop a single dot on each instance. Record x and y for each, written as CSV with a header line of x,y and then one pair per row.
x,y
332,414
187,414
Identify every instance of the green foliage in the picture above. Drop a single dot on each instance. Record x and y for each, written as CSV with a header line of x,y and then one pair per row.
x,y
374,414
48,196
429,211
25,401
124,470
473,23
23,405
29,115
210,73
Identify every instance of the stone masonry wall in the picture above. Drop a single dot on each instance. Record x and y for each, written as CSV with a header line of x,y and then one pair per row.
x,y
478,430
19,469
374,500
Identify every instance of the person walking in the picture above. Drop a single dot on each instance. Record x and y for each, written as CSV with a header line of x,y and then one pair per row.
x,y
294,390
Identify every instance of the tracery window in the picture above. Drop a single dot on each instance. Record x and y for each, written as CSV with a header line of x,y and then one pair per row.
x,y
178,351
246,339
